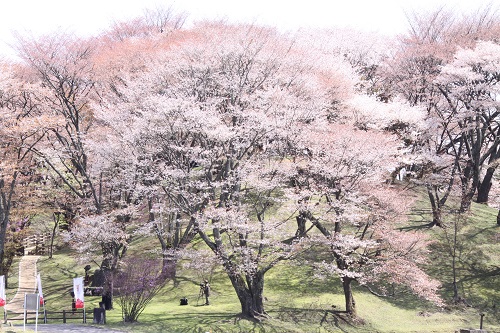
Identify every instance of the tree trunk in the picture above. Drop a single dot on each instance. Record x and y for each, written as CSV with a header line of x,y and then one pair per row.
x,y
56,216
3,231
484,189
168,267
350,305
498,218
466,201
107,291
469,188
250,294
5,205
109,267
301,225
436,217
470,184
454,260
435,206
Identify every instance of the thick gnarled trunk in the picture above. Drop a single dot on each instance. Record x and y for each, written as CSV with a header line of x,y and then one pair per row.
x,y
250,294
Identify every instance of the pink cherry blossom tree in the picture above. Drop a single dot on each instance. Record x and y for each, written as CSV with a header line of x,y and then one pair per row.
x,y
245,142
214,137
63,67
342,193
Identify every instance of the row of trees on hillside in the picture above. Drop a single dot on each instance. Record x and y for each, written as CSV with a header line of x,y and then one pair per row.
x,y
262,145
449,66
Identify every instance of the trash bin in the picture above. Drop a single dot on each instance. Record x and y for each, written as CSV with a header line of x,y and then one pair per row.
x,y
99,316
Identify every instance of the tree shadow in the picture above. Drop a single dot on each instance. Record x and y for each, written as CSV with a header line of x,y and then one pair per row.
x,y
214,322
327,319
477,279
402,297
425,226
480,231
317,317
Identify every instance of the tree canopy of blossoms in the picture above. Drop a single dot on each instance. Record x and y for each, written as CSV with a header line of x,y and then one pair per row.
x,y
244,137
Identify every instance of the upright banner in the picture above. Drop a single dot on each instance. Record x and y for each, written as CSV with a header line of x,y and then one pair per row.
x,y
2,290
39,285
78,290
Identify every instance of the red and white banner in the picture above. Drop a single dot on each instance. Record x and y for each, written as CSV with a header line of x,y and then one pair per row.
x,y
78,290
2,290
39,285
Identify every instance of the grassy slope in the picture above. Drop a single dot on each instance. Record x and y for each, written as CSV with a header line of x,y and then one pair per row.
x,y
296,301
299,302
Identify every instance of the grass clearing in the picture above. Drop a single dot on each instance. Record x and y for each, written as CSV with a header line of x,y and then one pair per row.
x,y
295,299
298,301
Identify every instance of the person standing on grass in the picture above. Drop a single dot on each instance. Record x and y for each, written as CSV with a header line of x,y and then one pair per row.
x,y
206,291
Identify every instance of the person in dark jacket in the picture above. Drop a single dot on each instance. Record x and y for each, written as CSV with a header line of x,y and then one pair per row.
x,y
206,291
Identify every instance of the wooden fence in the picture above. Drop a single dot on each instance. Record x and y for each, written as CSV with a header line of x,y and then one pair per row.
x,y
51,316
36,244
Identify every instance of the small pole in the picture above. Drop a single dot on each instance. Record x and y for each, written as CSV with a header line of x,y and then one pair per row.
x,y
24,314
36,311
64,316
481,322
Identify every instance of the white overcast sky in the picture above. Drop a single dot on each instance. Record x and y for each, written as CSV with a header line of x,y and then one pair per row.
x,y
92,16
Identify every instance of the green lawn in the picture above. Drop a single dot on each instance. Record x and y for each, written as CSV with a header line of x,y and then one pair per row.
x,y
297,301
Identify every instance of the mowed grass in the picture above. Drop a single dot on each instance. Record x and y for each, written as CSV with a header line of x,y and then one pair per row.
x,y
478,259
298,301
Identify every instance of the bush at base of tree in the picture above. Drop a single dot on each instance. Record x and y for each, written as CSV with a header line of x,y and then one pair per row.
x,y
139,282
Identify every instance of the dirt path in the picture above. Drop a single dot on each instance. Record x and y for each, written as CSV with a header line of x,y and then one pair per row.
x,y
27,283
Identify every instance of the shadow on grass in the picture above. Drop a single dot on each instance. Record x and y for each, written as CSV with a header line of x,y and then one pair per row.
x,y
402,298
56,269
476,273
321,318
482,231
425,226
419,219
283,319
194,322
481,274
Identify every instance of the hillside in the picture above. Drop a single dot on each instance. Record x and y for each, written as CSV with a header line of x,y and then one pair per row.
x,y
297,301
